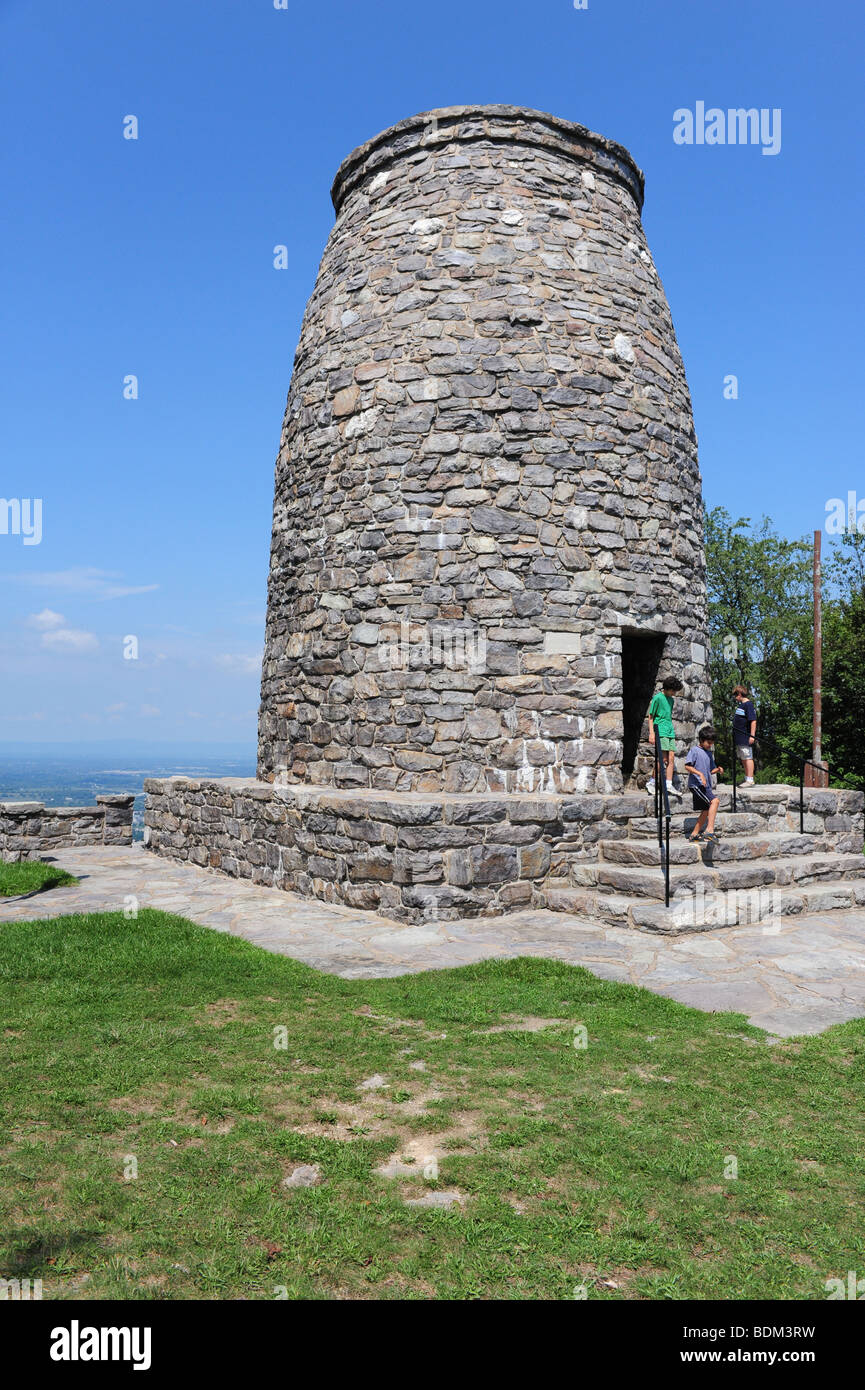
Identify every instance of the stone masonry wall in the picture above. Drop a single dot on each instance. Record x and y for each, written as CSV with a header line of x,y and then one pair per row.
x,y
30,829
487,472
414,857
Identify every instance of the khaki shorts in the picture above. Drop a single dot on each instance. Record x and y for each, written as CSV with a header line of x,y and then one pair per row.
x,y
745,751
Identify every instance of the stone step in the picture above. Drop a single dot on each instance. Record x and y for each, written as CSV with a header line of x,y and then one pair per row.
x,y
640,882
769,845
766,907
683,820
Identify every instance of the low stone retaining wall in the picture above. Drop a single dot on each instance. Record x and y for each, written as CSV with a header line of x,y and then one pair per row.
x,y
30,829
414,855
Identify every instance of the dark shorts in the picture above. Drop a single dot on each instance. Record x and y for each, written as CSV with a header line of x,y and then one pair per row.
x,y
703,797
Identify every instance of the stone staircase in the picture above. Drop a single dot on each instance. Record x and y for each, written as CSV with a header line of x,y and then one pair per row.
x,y
761,869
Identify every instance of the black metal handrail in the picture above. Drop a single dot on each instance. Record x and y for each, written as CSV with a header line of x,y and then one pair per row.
x,y
735,757
803,763
662,809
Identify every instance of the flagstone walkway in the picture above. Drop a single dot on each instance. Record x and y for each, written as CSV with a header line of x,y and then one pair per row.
x,y
796,975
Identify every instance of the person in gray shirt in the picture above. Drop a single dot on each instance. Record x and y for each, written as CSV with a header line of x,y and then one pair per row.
x,y
699,765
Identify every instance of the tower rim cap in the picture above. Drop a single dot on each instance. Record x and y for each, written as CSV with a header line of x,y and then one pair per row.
x,y
502,124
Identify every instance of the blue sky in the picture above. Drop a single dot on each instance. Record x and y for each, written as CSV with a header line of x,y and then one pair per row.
x,y
154,257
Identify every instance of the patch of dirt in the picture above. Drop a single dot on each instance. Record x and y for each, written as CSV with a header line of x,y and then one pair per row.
x,y
613,1217
445,1200
529,1102
223,1011
620,1279
132,1106
419,1102
375,1116
517,1203
354,1122
366,1012
648,1074
177,1111
420,1157
556,1189
522,1023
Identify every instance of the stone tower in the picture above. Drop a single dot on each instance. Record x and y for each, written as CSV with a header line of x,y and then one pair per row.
x,y
487,532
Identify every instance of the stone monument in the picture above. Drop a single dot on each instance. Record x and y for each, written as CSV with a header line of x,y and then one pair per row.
x,y
487,537
487,505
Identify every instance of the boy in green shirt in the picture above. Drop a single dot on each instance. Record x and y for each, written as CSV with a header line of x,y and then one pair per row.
x,y
661,727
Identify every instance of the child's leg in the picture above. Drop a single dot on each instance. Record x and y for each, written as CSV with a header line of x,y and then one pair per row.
x,y
749,767
712,813
670,755
701,824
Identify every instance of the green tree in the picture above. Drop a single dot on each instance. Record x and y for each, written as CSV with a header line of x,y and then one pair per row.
x,y
760,629
844,662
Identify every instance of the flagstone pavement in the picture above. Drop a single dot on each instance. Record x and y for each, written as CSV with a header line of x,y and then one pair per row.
x,y
794,975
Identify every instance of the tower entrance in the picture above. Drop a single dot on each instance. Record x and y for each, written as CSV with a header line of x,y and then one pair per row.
x,y
641,659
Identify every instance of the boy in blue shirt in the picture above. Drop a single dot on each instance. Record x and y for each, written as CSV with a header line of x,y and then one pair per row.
x,y
699,765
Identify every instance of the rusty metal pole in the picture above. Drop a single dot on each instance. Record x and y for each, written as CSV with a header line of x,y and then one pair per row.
x,y
819,779
818,652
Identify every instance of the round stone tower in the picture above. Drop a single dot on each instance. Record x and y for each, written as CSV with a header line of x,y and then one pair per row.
x,y
487,535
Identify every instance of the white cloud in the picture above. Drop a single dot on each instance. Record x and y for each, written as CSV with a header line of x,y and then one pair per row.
x,y
243,665
70,639
82,579
150,711
46,619
115,709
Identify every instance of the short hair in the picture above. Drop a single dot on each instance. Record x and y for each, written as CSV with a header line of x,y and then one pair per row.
x,y
705,733
740,690
672,683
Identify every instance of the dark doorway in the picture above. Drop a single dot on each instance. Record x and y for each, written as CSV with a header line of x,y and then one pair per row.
x,y
641,658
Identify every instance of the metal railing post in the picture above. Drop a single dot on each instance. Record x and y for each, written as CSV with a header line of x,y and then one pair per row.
x,y
667,868
662,812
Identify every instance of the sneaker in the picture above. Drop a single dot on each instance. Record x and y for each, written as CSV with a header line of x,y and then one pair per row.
x,y
650,786
748,782
673,791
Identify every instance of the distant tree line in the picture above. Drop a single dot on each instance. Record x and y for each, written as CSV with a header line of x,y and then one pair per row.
x,y
761,616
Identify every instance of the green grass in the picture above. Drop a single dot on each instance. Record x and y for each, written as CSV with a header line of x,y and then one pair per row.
x,y
28,875
604,1167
